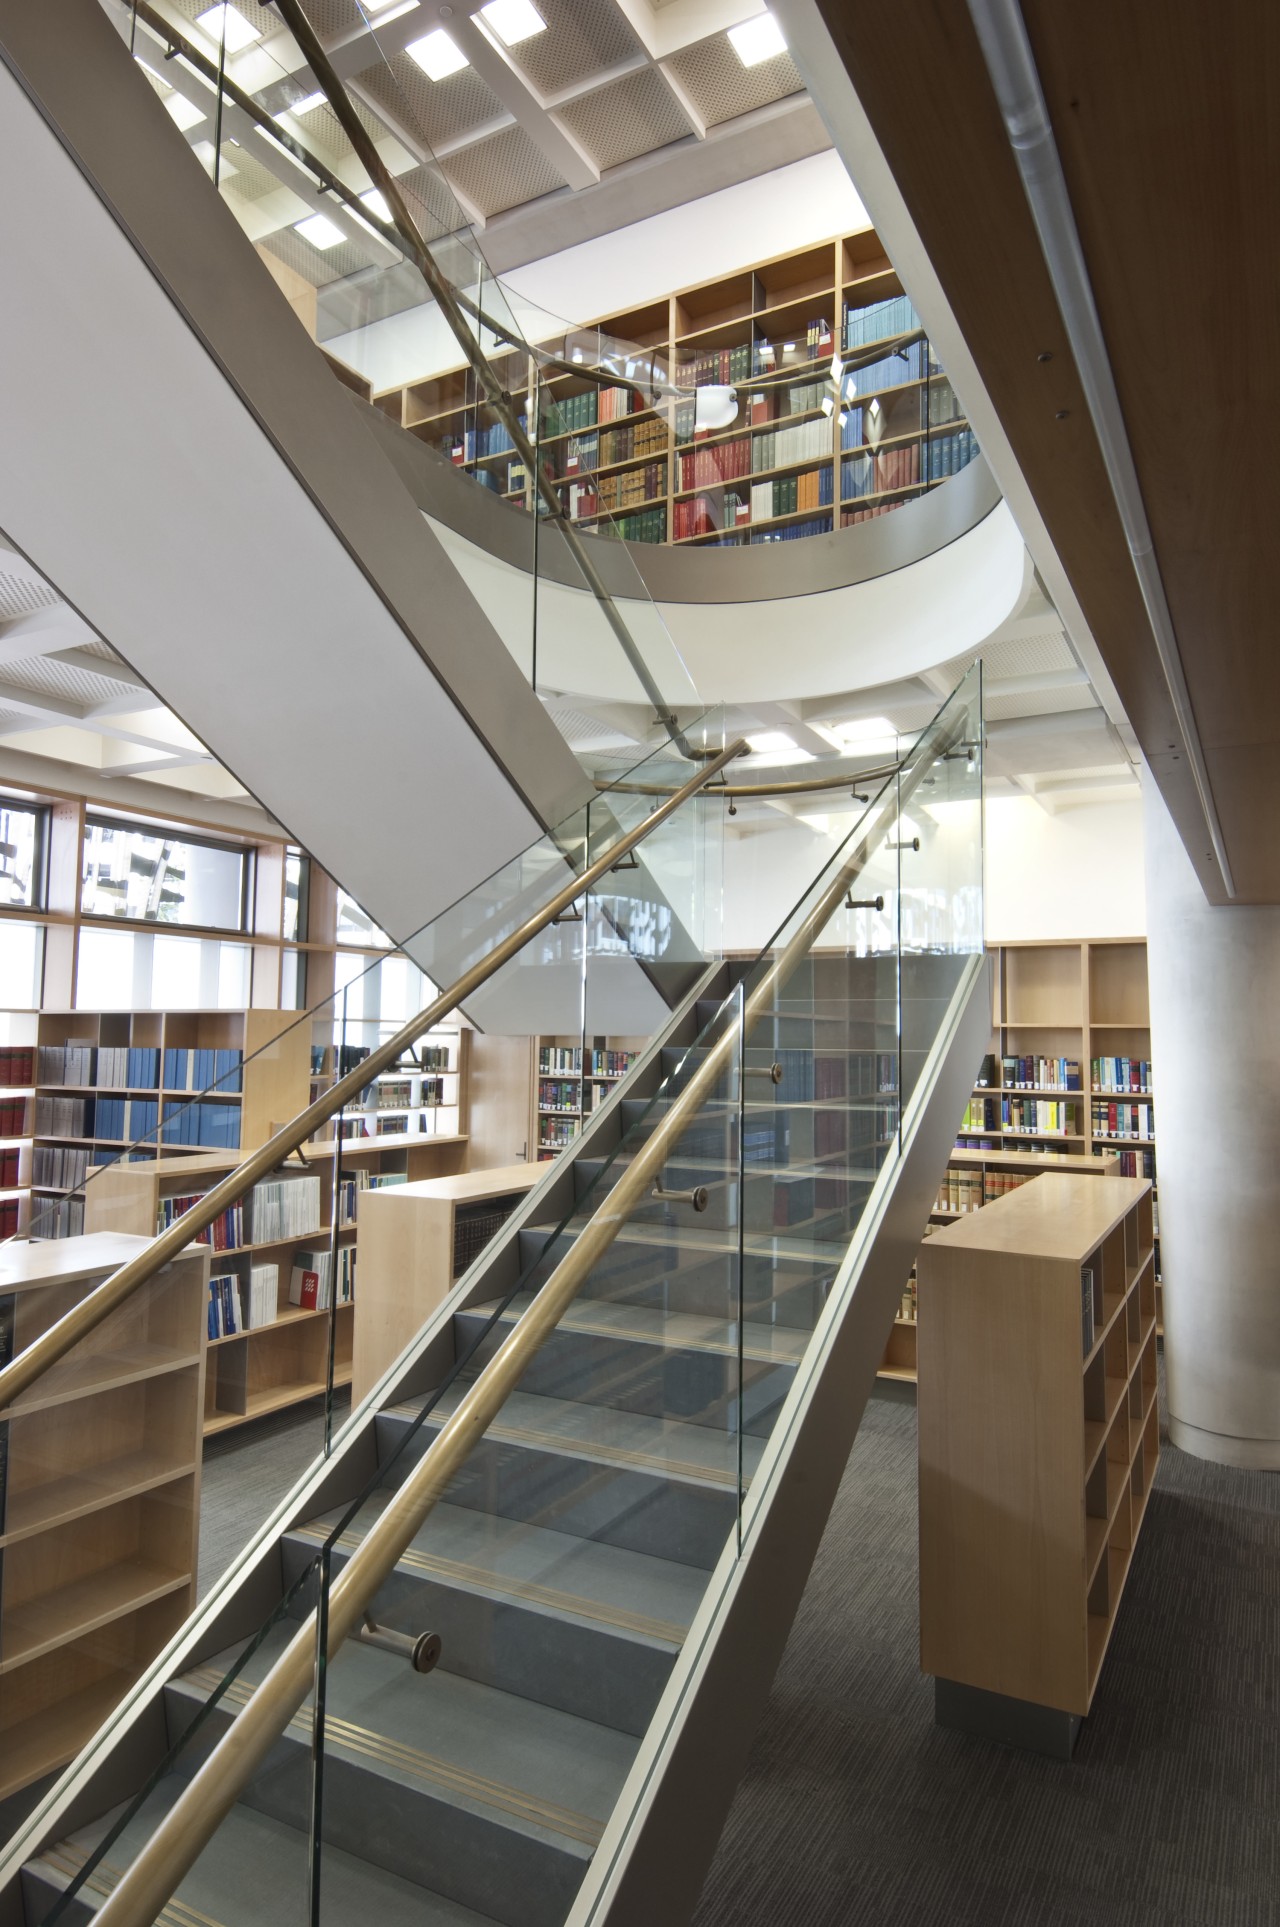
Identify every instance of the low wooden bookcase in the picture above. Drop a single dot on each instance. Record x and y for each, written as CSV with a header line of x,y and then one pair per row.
x,y
99,1493
1037,1452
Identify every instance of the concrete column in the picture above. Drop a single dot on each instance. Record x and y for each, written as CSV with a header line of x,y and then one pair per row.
x,y
1215,1052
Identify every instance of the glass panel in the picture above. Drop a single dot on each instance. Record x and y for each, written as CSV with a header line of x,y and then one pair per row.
x,y
156,876
22,848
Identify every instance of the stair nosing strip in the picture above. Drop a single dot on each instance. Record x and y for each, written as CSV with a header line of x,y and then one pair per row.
x,y
106,1877
525,1589
713,1347
426,1767
582,1449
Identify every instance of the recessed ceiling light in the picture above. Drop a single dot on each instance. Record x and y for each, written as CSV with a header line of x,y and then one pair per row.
x,y
378,6
771,739
437,55
320,231
376,202
182,112
513,20
305,105
757,40
227,26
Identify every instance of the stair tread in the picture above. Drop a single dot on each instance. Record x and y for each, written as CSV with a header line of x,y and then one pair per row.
x,y
672,1448
543,1771
830,1165
709,1239
677,1330
253,1871
632,1592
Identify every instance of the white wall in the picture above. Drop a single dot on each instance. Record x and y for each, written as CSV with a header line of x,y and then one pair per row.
x,y
774,214
1076,874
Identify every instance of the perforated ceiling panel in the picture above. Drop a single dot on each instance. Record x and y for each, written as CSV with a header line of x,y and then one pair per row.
x,y
1022,656
46,676
19,595
629,117
330,17
434,110
316,265
721,88
503,171
1047,702
261,18
583,37
251,179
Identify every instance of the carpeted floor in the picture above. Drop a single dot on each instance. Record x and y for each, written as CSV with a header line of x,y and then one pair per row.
x,y
247,1472
857,1810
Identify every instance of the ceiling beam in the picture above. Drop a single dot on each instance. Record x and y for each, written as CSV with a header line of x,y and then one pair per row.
x,y
502,76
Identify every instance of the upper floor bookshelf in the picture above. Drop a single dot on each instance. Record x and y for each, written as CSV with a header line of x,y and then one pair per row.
x,y
790,397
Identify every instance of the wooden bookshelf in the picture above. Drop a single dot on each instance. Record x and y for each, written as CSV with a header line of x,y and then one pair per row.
x,y
99,1494
414,1240
975,1179
565,1091
269,1366
768,331
1039,1438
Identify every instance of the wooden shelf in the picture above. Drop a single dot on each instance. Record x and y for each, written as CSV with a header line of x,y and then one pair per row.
x,y
52,1737
1029,1508
75,1494
76,1376
59,1617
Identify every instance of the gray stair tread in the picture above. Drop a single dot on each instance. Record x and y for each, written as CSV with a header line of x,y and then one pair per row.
x,y
253,1873
634,1440
540,1770
707,1239
653,1599
676,1330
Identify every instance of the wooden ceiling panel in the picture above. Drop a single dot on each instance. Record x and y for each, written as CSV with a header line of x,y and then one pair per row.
x,y
1168,141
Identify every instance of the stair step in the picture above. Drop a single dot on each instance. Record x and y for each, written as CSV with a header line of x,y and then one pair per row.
x,y
587,1627
252,1874
650,1484
499,1802
762,1288
639,1359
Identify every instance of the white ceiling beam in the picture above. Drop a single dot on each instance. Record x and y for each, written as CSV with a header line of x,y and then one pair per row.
x,y
501,75
681,23
111,667
46,710
591,83
180,759
43,633
683,98
423,155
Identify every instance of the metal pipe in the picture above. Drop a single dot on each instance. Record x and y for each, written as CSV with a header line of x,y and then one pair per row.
x,y
83,1318
1002,36
209,1795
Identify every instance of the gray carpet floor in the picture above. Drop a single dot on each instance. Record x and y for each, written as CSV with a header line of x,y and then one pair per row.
x,y
247,1472
857,1810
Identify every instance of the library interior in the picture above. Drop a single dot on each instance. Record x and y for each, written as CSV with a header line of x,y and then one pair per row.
x,y
627,1298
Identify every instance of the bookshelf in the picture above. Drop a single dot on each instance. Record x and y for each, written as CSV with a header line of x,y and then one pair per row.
x,y
264,1367
1039,1439
973,1180
565,1091
99,1494
414,1241
629,462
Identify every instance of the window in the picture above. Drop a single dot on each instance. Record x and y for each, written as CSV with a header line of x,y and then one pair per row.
x,y
356,927
151,970
21,962
297,885
146,873
23,843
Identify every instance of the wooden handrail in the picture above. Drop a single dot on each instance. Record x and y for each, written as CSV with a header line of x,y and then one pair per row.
x,y
27,1367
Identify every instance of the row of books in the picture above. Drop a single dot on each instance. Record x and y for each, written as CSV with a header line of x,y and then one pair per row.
x,y
59,1165
1040,1073
907,1309
632,486
862,326
555,1132
724,367
226,1233
569,413
1121,1074
369,1124
797,442
9,1168
215,1126
794,531
13,1117
894,370
1039,1116
1133,1164
601,450
17,1065
69,1117
70,1064
948,454
201,1070
963,1190
888,468
1122,1120
721,462
8,1221
394,1093
554,1095
284,1207
473,1227
788,494
610,1063
468,444
311,1280
1043,1148
57,1218
649,526
849,516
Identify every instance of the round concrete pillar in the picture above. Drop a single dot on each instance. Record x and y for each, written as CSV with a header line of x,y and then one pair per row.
x,y
1215,1055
